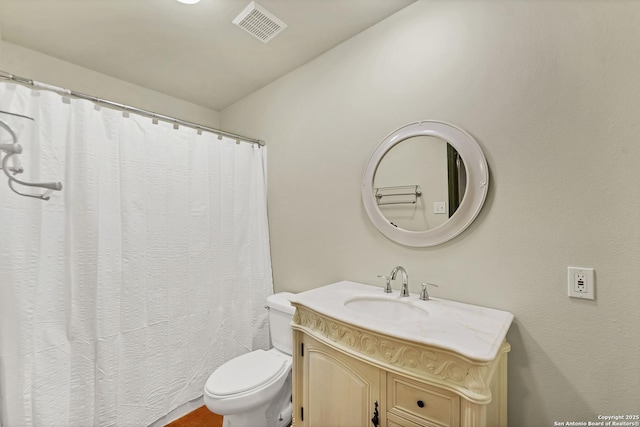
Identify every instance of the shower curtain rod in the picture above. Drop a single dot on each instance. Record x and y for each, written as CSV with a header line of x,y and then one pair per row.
x,y
66,92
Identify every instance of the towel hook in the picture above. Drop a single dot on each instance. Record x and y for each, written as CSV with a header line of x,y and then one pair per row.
x,y
11,152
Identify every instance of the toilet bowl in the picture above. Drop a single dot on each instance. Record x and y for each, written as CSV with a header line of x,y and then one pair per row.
x,y
248,383
254,389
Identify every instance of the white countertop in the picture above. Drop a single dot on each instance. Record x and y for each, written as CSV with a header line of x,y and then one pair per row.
x,y
470,330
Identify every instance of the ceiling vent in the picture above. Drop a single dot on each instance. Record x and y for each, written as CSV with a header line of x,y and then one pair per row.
x,y
258,22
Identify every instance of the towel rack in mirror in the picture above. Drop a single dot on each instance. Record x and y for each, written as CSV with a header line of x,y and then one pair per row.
x,y
398,195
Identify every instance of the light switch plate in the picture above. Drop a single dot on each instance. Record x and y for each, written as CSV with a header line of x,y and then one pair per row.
x,y
581,283
439,207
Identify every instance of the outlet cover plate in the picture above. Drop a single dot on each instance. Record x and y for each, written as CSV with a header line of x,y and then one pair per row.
x,y
581,283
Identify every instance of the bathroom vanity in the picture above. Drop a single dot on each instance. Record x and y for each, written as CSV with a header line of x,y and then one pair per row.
x,y
365,358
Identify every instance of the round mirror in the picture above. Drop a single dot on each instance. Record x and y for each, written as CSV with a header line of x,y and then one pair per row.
x,y
425,183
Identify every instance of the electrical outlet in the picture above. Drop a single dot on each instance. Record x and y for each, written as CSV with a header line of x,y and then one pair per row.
x,y
581,283
439,207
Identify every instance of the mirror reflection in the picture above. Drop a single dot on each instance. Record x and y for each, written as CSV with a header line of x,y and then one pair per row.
x,y
419,183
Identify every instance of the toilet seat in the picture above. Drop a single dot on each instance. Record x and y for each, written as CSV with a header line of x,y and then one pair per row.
x,y
249,371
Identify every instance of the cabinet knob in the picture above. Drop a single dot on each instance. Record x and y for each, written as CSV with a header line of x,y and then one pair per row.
x,y
420,404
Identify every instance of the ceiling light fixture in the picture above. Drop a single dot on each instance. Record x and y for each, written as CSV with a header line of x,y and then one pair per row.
x,y
189,1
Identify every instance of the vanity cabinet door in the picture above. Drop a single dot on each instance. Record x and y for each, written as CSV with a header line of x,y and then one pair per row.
x,y
337,390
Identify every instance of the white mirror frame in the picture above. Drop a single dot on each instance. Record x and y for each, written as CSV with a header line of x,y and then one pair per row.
x,y
474,196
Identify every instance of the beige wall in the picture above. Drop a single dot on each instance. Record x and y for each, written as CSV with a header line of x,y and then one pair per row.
x,y
33,65
550,91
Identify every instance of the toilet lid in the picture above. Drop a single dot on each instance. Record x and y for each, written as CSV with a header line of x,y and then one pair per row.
x,y
245,372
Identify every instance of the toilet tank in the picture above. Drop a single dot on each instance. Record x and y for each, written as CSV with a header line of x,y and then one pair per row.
x,y
280,316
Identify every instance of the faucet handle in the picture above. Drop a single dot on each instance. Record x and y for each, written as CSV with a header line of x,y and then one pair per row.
x,y
424,295
387,286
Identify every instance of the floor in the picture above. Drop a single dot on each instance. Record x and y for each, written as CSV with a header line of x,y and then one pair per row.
x,y
201,417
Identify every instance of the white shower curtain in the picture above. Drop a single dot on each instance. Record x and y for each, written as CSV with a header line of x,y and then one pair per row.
x,y
120,295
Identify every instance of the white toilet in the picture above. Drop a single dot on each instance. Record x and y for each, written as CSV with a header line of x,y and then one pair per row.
x,y
254,390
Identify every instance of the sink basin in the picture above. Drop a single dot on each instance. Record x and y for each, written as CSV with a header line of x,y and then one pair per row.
x,y
386,308
470,330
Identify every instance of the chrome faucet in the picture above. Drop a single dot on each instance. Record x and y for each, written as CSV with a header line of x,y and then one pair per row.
x,y
387,286
404,292
424,295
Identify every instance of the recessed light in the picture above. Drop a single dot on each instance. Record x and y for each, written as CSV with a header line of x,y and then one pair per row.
x,y
189,1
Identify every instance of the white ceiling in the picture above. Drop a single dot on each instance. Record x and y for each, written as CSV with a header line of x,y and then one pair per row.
x,y
192,52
